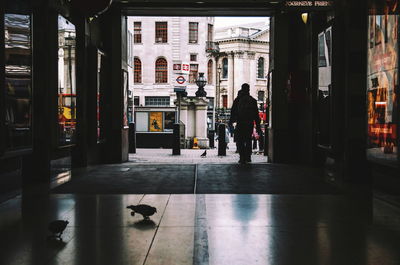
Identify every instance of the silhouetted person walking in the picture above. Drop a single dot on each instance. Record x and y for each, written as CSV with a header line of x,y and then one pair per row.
x,y
245,113
230,123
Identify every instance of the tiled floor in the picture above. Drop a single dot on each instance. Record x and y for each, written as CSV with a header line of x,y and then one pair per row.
x,y
196,229
306,228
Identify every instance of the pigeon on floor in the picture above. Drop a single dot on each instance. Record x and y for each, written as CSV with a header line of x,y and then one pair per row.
x,y
143,209
57,227
204,154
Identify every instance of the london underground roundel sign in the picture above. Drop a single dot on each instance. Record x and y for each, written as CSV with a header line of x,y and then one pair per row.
x,y
180,79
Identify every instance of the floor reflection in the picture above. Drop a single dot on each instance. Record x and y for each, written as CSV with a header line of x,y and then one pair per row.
x,y
191,229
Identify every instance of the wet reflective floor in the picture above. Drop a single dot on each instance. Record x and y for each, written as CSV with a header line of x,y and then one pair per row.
x,y
198,229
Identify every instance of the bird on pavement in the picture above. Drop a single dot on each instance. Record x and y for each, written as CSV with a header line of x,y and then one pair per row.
x,y
204,154
143,209
57,227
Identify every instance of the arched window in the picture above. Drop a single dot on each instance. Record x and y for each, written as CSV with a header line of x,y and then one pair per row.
x,y
260,68
225,68
161,71
210,72
137,71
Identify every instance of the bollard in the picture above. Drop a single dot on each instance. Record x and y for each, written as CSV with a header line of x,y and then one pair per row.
x,y
132,138
266,141
176,140
221,140
211,138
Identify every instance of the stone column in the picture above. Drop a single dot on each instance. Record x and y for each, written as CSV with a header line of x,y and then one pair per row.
x,y
201,121
193,114
231,79
184,116
252,65
240,76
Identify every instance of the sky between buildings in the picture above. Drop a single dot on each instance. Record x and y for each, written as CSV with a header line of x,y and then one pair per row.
x,y
221,22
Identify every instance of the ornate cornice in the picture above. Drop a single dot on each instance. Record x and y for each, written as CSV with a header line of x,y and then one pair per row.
x,y
239,54
251,55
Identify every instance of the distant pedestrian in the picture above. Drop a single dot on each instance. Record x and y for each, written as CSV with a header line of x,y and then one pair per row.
x,y
245,114
255,137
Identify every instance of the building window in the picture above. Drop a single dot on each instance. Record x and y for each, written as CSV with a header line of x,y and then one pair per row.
x,y
157,101
210,72
210,32
161,32
193,57
137,32
193,32
136,101
161,71
260,68
225,101
225,68
260,95
193,73
137,77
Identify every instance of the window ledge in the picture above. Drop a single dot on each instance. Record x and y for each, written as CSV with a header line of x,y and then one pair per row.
x,y
161,43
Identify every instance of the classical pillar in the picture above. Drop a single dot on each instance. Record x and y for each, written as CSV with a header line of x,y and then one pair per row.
x,y
239,76
251,71
231,79
201,121
193,114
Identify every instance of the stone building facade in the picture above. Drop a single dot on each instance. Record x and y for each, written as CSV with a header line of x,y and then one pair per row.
x,y
181,40
243,57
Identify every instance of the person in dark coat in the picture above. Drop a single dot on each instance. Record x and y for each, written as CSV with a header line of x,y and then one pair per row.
x,y
234,112
245,113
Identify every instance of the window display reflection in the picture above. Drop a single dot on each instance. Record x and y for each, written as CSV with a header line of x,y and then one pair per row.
x,y
382,87
324,122
18,53
66,81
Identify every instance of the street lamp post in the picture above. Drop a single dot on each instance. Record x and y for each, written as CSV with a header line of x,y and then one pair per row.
x,y
219,69
201,82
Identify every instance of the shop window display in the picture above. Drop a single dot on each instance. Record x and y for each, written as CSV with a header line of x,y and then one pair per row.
x,y
382,88
155,121
324,97
18,81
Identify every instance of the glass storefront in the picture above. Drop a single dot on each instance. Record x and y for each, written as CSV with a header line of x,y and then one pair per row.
x,y
18,81
382,88
66,82
324,121
154,121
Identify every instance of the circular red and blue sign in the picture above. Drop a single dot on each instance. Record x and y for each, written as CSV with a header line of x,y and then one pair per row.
x,y
180,79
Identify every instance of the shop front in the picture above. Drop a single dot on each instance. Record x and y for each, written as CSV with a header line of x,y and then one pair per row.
x,y
154,126
382,86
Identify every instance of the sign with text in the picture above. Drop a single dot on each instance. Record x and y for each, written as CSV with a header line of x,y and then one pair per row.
x,y
308,5
181,68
